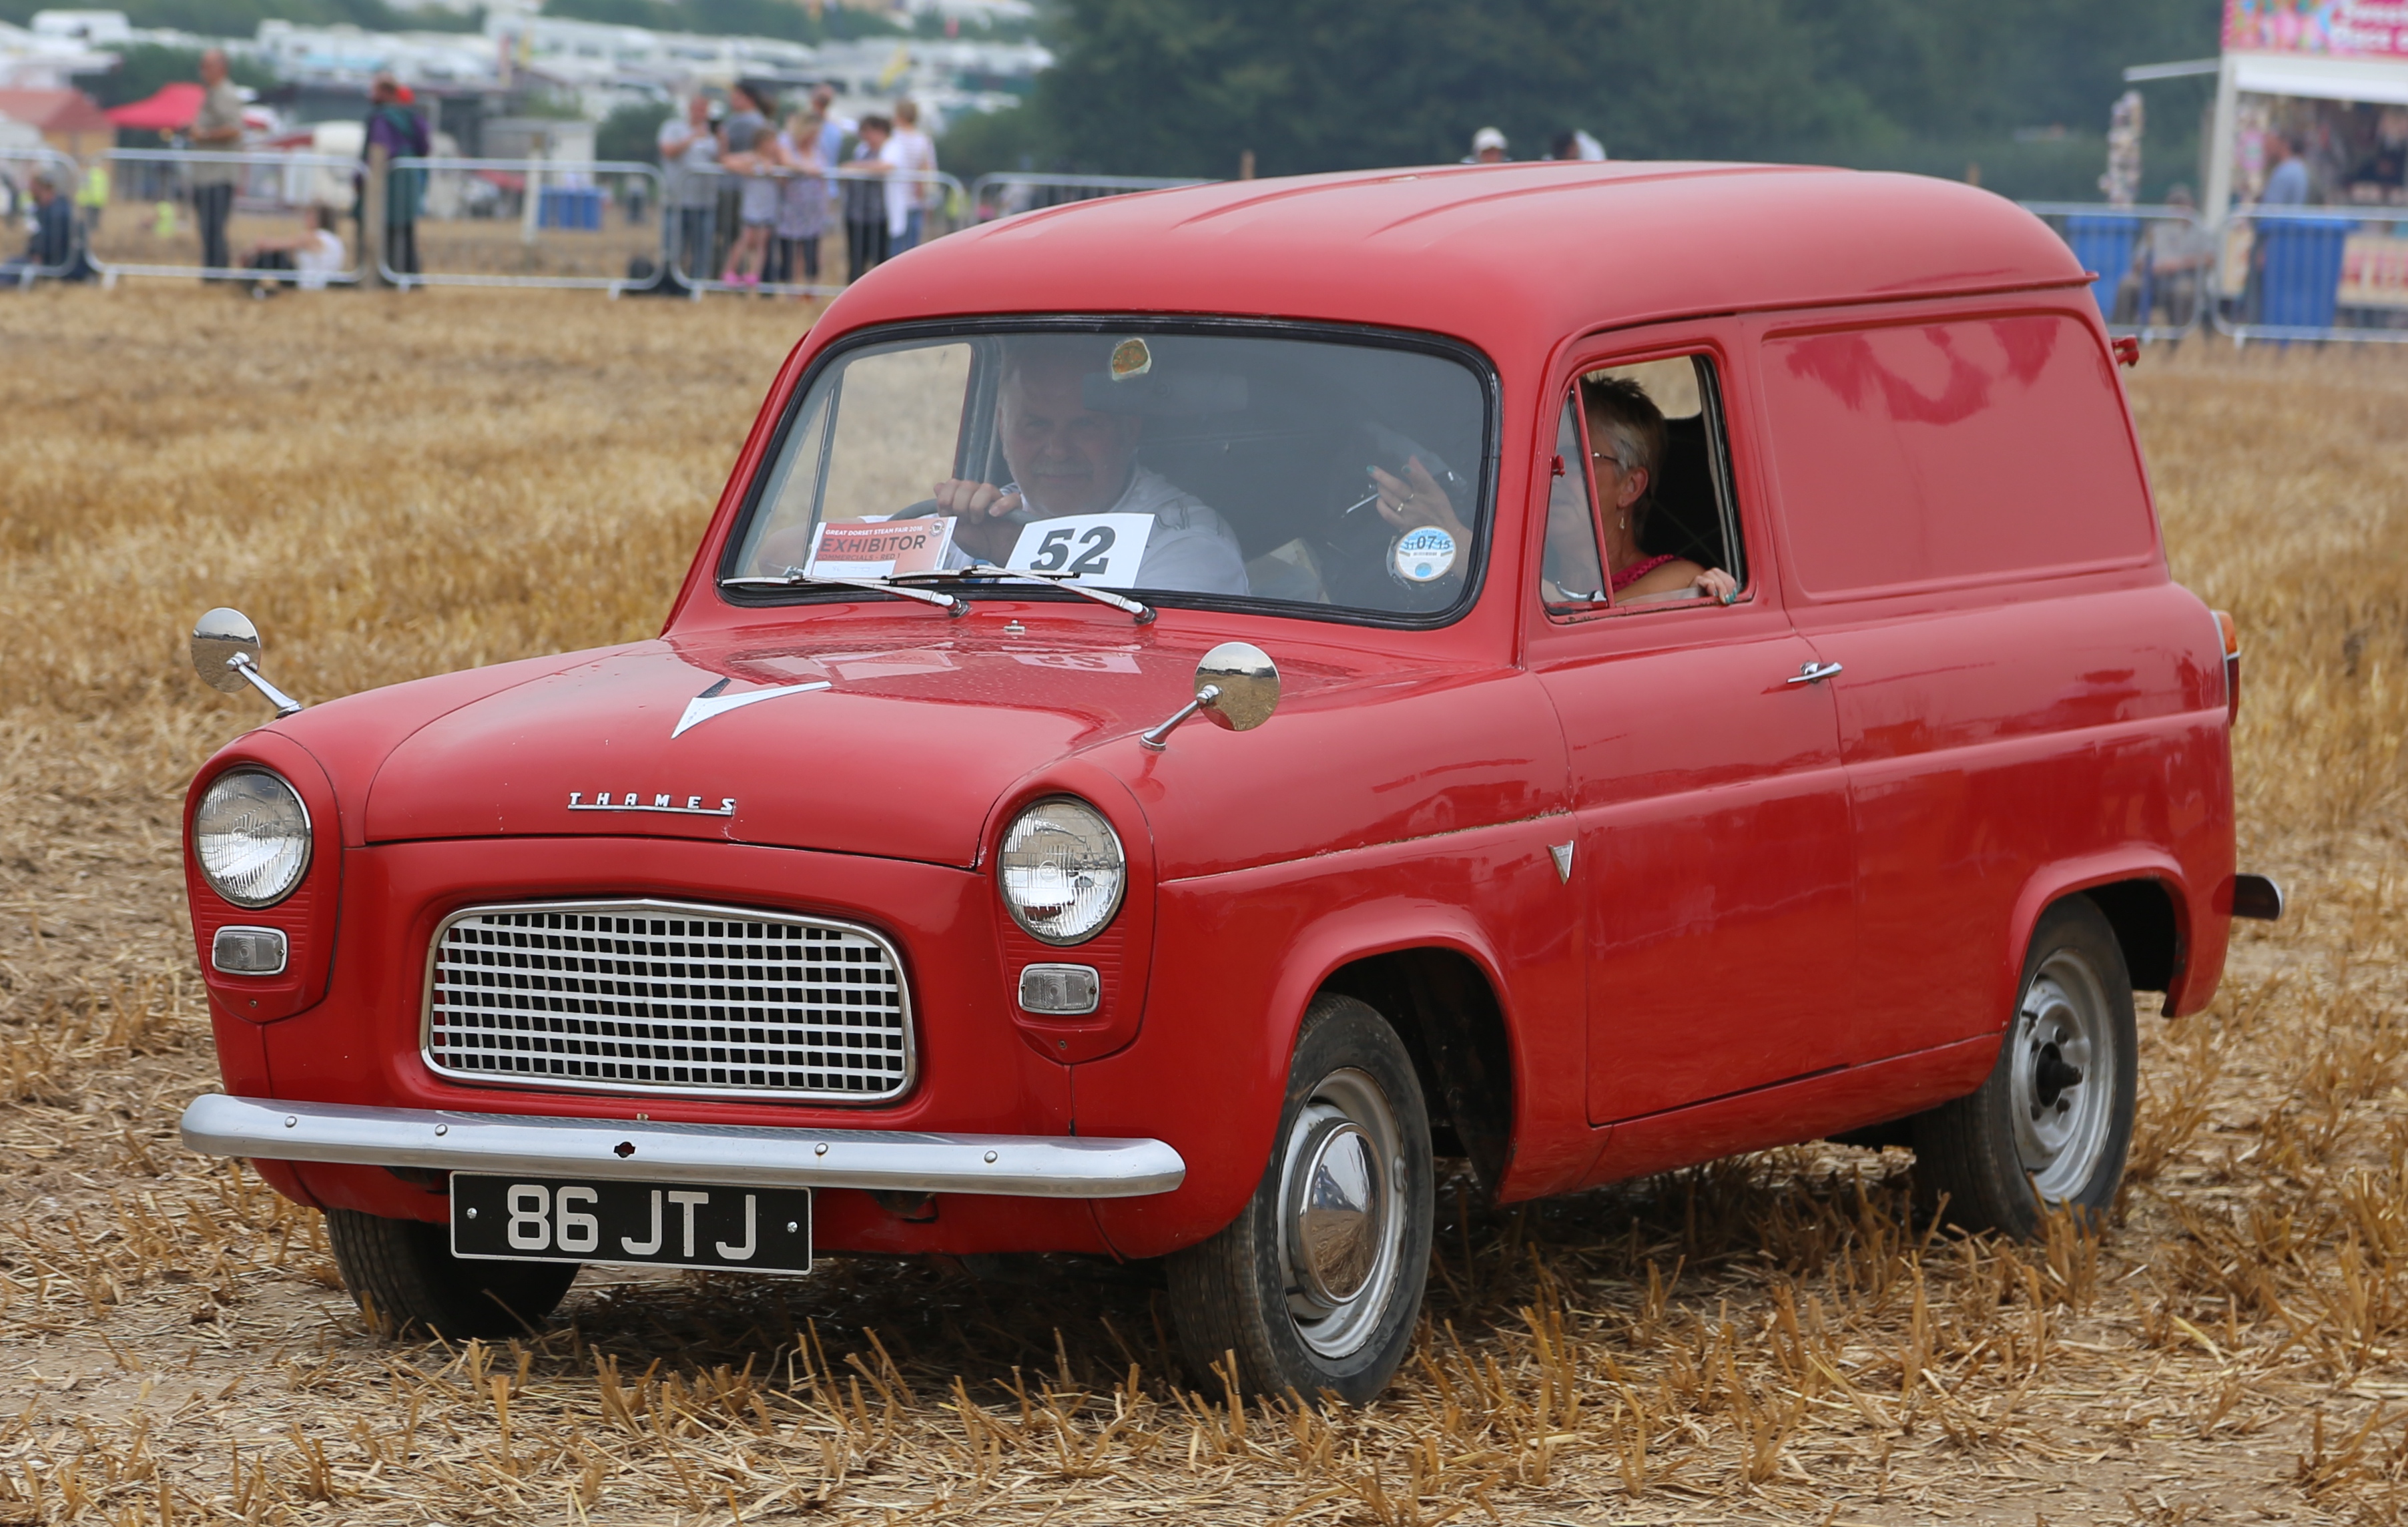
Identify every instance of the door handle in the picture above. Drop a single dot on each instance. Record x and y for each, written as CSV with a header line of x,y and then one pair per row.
x,y
1814,673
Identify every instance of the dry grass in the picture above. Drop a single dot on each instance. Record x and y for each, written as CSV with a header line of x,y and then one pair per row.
x,y
394,487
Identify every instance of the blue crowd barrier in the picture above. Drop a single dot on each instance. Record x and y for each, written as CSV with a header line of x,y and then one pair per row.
x,y
2284,274
2104,241
2148,265
2299,270
571,206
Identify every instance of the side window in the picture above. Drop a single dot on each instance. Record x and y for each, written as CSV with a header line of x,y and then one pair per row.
x,y
1921,452
1642,516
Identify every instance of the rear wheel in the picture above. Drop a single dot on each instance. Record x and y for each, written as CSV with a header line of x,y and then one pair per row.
x,y
2050,1127
1317,1284
403,1276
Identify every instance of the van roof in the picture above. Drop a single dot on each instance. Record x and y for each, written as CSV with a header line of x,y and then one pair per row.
x,y
1506,255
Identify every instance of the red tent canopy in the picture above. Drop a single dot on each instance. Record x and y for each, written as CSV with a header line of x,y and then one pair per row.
x,y
171,110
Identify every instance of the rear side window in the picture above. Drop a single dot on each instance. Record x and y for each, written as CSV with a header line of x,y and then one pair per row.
x,y
1916,454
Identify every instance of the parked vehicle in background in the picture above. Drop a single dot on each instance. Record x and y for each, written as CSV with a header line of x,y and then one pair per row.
x,y
1196,709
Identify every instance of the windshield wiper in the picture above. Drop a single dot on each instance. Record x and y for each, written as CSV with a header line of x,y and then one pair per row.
x,y
795,578
1143,614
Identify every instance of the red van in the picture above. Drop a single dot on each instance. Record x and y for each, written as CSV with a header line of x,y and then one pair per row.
x,y
1195,707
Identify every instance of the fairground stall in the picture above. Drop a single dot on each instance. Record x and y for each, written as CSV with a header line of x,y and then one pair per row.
x,y
2302,232
2307,165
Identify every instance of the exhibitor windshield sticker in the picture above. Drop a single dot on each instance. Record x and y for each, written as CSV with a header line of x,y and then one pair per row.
x,y
1423,555
1104,549
880,548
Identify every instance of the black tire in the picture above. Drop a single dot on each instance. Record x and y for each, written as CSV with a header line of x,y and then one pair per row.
x,y
404,1278
2031,1140
1300,1330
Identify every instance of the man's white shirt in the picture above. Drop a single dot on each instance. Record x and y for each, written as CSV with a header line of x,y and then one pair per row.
x,y
1192,549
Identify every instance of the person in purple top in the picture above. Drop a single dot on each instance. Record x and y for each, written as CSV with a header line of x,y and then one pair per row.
x,y
400,132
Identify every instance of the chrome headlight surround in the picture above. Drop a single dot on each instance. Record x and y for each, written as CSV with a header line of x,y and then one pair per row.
x,y
251,836
1062,872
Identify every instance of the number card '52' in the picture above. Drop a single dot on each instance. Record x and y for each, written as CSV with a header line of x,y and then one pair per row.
x,y
1105,549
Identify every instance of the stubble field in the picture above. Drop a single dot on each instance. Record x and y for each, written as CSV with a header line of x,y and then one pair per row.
x,y
398,487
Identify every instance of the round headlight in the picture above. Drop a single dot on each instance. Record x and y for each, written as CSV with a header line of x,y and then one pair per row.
x,y
1062,871
251,838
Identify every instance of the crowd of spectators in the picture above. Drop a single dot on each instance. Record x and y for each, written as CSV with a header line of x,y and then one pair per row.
x,y
752,198
751,192
749,197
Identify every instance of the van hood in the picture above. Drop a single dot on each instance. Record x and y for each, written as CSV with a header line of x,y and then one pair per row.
x,y
840,741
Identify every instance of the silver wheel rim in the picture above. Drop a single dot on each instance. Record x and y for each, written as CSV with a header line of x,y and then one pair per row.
x,y
2062,1082
1341,1213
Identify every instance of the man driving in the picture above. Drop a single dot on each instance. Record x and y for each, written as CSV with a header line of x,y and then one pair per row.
x,y
1068,458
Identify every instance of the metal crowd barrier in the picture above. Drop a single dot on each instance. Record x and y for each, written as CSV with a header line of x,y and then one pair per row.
x,y
152,224
592,225
2315,273
1004,194
700,238
18,169
2156,266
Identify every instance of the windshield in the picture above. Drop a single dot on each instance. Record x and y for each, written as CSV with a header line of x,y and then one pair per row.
x,y
1177,467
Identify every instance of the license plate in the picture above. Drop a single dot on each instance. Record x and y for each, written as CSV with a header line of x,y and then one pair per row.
x,y
645,1224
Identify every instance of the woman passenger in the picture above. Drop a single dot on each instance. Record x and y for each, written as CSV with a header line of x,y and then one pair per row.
x,y
1625,433
1626,441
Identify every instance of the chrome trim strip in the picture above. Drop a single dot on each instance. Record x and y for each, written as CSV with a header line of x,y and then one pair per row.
x,y
710,1155
647,907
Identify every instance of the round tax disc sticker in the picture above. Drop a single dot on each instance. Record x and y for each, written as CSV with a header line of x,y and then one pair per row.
x,y
1423,555
1131,360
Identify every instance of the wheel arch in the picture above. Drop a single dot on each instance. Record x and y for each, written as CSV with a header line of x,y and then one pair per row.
x,y
1447,1008
1224,1032
2146,899
2148,927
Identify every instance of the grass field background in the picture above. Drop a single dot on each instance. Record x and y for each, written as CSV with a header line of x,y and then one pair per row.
x,y
400,486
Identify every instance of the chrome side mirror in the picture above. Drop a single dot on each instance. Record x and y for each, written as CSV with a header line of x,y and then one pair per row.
x,y
226,653
1237,685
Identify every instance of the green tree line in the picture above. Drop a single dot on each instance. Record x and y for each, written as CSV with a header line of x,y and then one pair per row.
x,y
1185,86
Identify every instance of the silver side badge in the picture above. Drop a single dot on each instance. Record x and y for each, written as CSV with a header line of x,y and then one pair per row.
x,y
1562,854
690,806
714,701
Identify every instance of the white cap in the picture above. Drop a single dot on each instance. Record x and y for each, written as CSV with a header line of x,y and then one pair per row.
x,y
1487,137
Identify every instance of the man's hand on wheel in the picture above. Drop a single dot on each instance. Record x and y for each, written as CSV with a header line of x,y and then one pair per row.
x,y
978,509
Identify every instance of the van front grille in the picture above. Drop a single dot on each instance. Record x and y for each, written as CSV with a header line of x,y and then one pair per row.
x,y
643,996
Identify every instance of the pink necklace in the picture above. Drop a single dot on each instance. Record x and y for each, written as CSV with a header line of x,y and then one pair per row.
x,y
1638,570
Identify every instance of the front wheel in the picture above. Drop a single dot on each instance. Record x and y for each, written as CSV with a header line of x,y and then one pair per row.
x,y
403,1276
1316,1286
2050,1127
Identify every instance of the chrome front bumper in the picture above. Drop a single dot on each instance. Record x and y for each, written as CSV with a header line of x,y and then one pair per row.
x,y
710,1155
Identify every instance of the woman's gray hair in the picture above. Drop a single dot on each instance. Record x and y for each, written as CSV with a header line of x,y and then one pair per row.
x,y
1631,418
1636,427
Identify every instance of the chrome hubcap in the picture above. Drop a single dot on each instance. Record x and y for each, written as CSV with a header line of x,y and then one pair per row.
x,y
1339,1199
2063,1082
1337,1222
